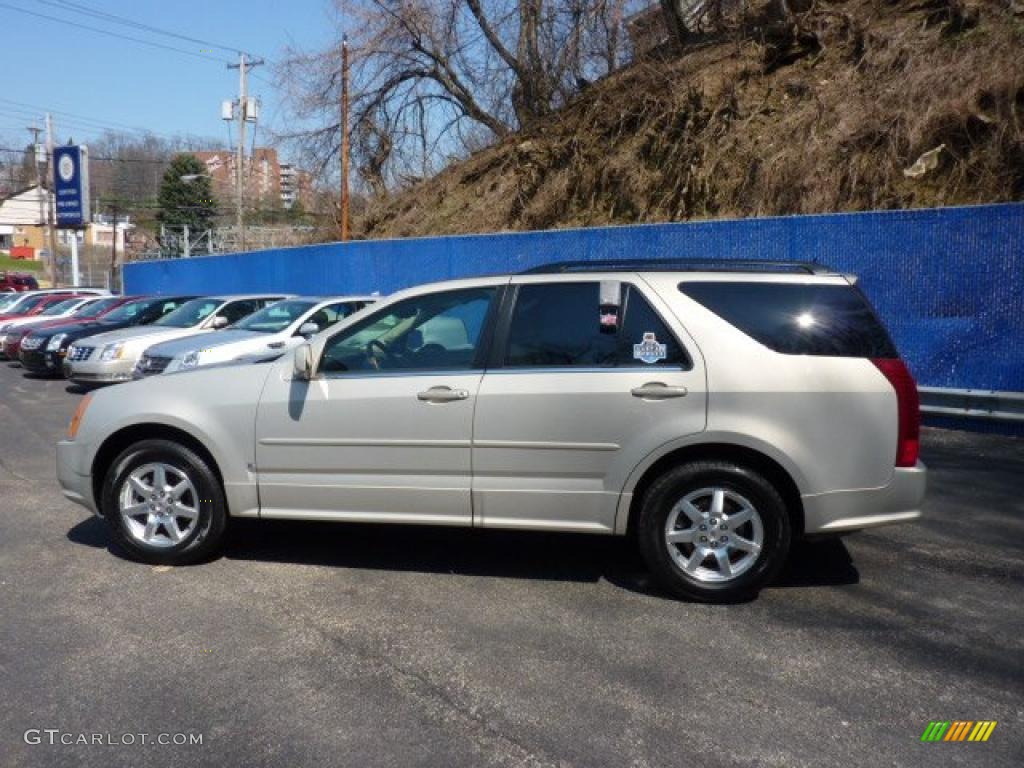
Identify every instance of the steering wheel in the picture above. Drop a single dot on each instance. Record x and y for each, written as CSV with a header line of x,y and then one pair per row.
x,y
371,356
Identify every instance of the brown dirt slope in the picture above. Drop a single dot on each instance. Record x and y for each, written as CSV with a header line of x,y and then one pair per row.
x,y
826,119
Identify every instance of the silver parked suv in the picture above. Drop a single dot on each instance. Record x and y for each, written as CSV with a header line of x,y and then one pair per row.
x,y
716,412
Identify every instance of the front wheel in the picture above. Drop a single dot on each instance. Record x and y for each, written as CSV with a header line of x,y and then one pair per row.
x,y
713,531
164,503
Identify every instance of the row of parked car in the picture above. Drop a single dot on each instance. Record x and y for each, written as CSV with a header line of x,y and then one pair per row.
x,y
92,338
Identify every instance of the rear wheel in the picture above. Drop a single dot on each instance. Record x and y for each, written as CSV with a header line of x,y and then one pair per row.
x,y
164,503
713,531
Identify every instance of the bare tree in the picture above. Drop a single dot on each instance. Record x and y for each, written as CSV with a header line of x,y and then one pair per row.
x,y
431,79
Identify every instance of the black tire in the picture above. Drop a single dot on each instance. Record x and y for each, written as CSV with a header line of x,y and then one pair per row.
x,y
208,531
666,491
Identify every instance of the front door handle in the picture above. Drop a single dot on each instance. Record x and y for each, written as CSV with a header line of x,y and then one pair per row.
x,y
443,395
655,390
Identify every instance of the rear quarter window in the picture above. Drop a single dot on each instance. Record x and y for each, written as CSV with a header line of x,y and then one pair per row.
x,y
798,319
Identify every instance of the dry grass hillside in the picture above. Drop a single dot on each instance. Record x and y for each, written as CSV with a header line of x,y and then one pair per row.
x,y
825,117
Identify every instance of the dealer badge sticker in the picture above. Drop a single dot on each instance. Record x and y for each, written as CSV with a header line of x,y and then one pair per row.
x,y
650,350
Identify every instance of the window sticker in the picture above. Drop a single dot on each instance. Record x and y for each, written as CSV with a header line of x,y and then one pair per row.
x,y
650,350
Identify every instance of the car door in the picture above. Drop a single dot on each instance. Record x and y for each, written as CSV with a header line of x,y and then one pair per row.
x,y
382,433
587,378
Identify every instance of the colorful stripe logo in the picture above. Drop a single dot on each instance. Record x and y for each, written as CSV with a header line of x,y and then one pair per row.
x,y
958,730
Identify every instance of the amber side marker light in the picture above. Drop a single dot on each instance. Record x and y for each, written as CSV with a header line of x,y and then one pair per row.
x,y
76,420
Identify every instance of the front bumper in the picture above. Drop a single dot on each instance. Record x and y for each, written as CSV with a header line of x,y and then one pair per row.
x,y
41,361
73,474
99,372
845,511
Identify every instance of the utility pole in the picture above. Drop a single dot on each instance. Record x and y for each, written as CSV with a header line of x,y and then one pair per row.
x,y
43,203
113,247
243,67
35,131
53,208
344,138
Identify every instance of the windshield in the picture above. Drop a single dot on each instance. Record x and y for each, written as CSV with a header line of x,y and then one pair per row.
x,y
128,311
8,300
97,308
59,308
190,313
276,317
29,303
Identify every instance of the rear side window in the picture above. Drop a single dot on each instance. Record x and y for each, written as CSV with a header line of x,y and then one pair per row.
x,y
795,319
565,325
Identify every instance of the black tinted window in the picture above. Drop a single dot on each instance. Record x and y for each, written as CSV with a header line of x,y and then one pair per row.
x,y
565,324
236,310
823,320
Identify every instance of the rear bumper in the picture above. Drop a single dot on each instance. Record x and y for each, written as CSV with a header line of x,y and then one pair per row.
x,y
75,485
844,511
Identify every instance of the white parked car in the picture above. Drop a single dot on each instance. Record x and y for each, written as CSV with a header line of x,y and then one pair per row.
x,y
273,330
111,357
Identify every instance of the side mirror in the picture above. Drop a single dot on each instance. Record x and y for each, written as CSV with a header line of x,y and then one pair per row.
x,y
302,364
309,329
219,322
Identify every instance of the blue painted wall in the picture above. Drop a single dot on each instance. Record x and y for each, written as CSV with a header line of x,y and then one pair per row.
x,y
948,282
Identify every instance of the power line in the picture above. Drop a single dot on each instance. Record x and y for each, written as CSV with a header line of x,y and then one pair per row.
x,y
64,114
78,127
125,21
109,159
107,32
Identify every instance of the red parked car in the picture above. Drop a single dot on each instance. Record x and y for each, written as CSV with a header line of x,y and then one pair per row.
x,y
17,281
10,344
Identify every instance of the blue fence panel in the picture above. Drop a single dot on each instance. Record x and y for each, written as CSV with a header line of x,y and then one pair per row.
x,y
948,282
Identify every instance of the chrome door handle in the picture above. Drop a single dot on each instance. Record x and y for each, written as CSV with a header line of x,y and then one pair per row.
x,y
443,395
655,390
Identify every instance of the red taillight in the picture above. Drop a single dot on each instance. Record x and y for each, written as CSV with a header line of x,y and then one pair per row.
x,y
908,407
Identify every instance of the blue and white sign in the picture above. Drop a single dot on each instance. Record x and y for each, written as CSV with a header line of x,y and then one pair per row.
x,y
650,350
71,185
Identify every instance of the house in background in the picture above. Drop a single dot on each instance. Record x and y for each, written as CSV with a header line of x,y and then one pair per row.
x,y
23,222
24,228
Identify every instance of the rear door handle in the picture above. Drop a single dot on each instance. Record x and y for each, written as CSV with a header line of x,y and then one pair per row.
x,y
443,395
655,390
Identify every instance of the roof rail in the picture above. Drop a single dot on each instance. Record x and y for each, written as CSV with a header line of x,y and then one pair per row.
x,y
680,265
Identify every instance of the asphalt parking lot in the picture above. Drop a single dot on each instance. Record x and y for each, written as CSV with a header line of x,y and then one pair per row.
x,y
311,644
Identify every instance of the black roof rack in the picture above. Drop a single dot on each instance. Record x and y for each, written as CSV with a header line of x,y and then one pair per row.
x,y
680,265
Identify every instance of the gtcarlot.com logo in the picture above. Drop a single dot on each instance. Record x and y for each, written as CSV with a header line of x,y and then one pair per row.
x,y
55,736
958,730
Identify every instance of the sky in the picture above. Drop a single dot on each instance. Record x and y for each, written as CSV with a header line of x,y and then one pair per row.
x,y
106,81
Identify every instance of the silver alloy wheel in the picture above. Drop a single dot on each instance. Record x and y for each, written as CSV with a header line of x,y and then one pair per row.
x,y
714,534
159,505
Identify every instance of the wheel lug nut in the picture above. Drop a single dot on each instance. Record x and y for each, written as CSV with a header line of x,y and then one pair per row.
x,y
703,527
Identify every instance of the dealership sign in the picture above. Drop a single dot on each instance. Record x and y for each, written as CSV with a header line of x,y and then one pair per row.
x,y
71,184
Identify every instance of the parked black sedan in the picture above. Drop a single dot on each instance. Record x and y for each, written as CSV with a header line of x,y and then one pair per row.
x,y
43,352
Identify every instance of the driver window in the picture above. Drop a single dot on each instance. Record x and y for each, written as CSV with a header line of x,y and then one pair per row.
x,y
438,331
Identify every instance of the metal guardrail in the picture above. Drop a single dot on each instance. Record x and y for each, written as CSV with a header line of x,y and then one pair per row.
x,y
973,403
